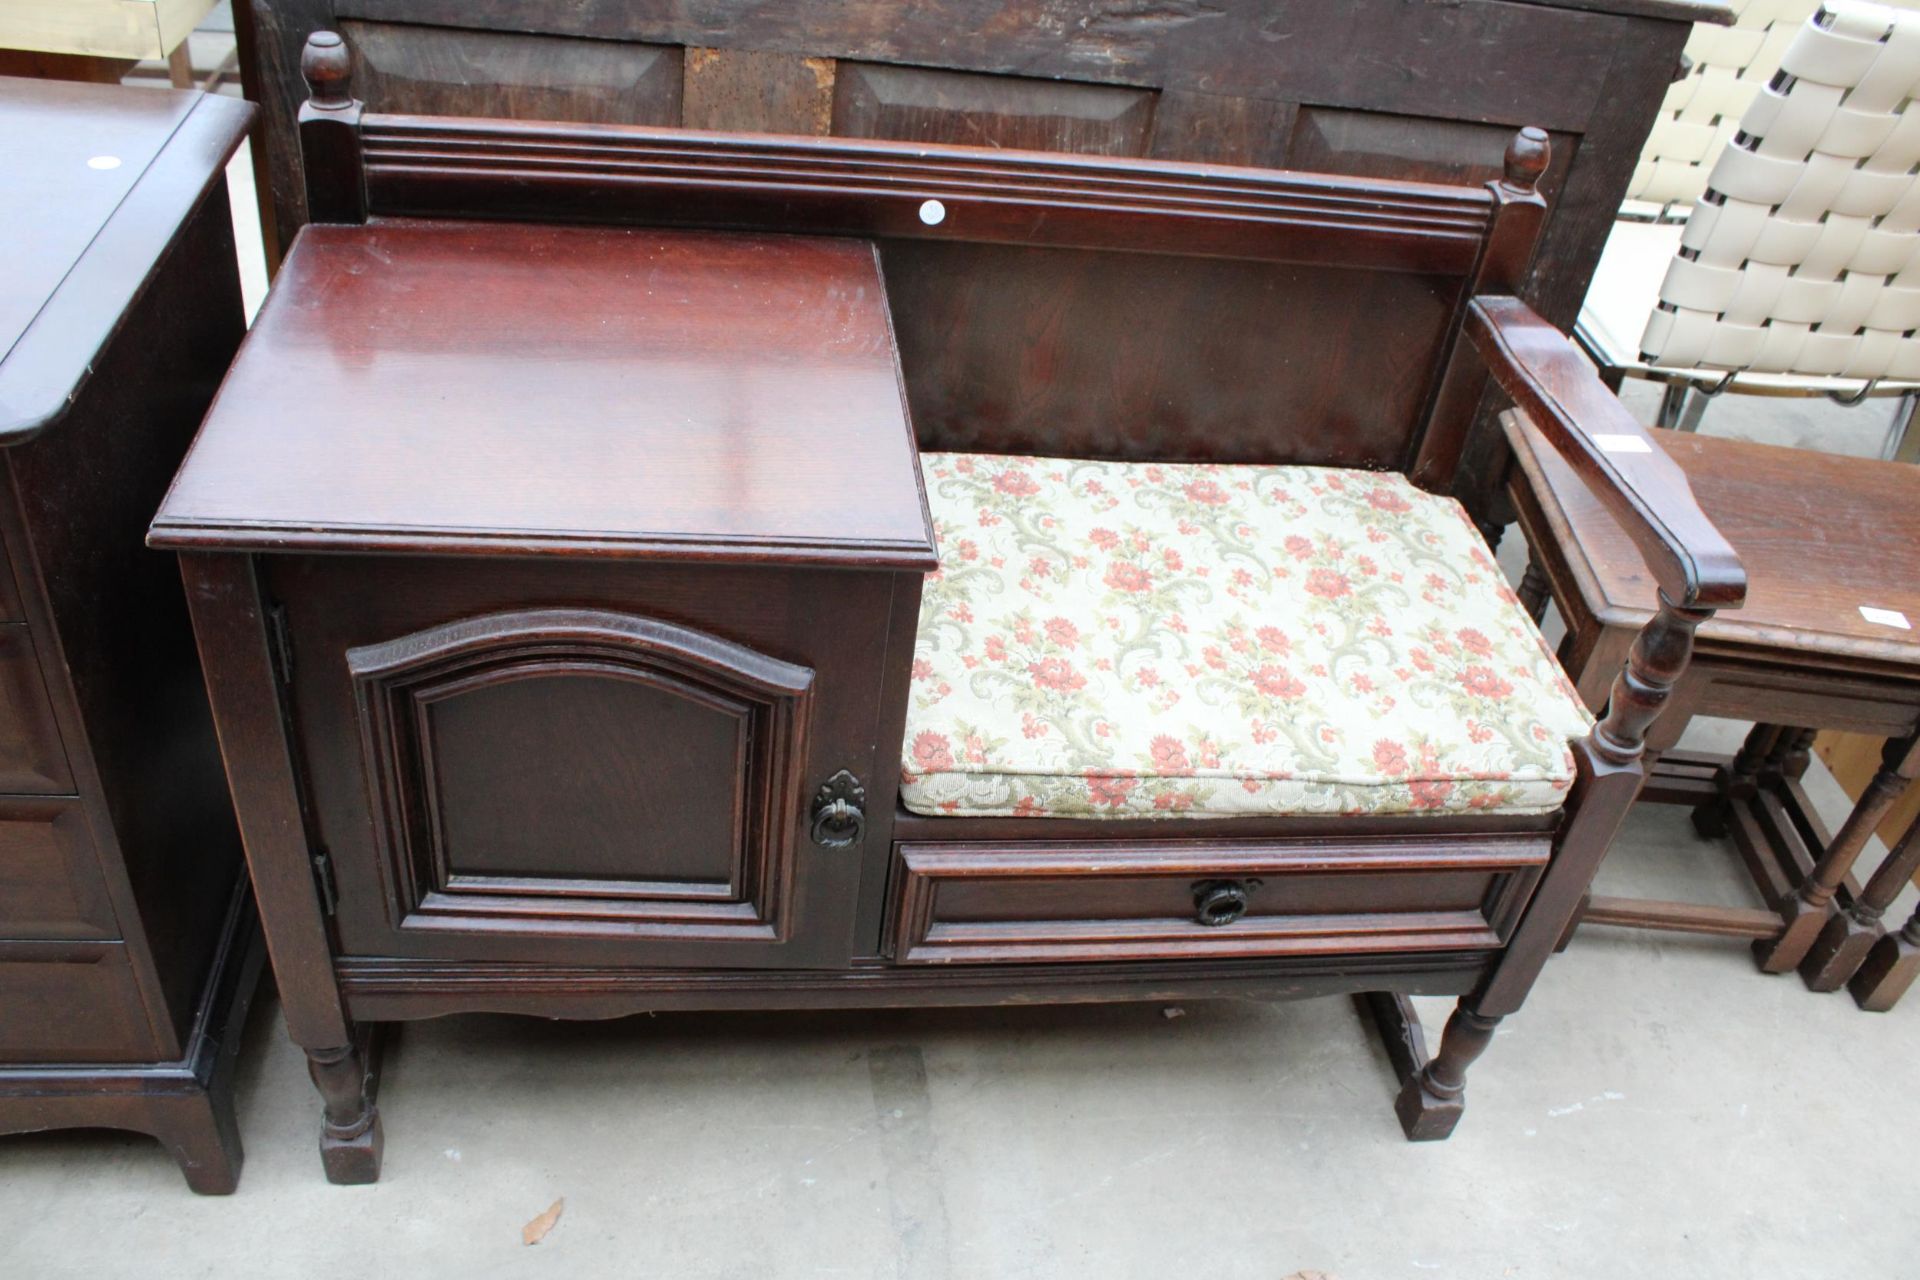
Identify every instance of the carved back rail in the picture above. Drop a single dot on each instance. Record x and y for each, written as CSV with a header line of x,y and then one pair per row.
x,y
426,167
1043,302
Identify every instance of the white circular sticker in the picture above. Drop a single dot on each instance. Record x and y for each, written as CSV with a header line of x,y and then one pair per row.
x,y
932,212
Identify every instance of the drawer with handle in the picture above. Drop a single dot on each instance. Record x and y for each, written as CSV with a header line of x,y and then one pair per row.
x,y
1071,902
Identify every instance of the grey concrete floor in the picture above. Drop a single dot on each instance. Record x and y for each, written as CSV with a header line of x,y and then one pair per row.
x,y
1658,1108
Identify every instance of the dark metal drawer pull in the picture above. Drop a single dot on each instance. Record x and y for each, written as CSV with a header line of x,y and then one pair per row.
x,y
1218,902
839,811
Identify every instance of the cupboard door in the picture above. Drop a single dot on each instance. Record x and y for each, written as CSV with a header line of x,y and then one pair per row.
x,y
585,771
629,781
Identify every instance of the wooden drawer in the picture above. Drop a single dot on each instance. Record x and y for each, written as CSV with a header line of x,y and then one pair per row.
x,y
68,1002
50,879
32,758
1071,902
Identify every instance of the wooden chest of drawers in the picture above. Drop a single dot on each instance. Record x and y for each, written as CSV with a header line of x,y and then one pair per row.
x,y
125,965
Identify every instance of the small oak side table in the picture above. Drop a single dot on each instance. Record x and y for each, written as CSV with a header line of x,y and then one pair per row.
x,y
1826,640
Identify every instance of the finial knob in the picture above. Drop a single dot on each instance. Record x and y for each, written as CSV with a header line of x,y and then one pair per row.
x,y
1527,157
328,69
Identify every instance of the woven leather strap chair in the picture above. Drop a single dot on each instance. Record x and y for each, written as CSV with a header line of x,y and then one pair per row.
x,y
1787,277
1726,67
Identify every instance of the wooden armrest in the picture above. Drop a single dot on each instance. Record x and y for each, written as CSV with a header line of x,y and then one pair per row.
x,y
1644,489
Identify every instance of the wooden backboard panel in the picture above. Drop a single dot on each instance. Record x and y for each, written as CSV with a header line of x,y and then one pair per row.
x,y
1074,353
922,104
452,71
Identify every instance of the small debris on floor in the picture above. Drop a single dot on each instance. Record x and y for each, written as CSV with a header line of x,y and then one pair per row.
x,y
1171,1012
536,1231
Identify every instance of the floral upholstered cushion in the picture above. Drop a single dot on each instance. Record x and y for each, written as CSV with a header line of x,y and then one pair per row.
x,y
1110,639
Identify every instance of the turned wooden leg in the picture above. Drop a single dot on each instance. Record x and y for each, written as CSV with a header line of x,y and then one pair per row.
x,y
1889,969
1739,781
1804,912
1851,934
230,617
1534,590
1610,775
350,1137
1432,1099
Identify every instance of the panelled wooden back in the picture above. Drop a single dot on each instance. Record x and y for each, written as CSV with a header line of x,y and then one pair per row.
x,y
1360,87
1078,305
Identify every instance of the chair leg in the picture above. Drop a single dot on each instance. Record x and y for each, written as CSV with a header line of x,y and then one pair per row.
x,y
1433,1093
1903,444
347,1077
1695,412
1672,401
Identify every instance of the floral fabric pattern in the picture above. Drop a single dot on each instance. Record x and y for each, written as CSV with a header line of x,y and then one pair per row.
x,y
1117,640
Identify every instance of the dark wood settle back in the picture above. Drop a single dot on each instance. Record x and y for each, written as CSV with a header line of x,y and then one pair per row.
x,y
1080,306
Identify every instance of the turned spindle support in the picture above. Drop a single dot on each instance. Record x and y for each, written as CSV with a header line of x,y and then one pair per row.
x,y
330,133
1804,912
1431,1103
1790,759
1640,692
1611,771
350,1135
1854,930
1534,590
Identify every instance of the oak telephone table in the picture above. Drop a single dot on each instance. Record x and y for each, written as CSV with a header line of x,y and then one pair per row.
x,y
128,952
642,569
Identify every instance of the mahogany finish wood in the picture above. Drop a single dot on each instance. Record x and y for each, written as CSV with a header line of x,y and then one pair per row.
x,y
126,955
1800,652
593,702
614,345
